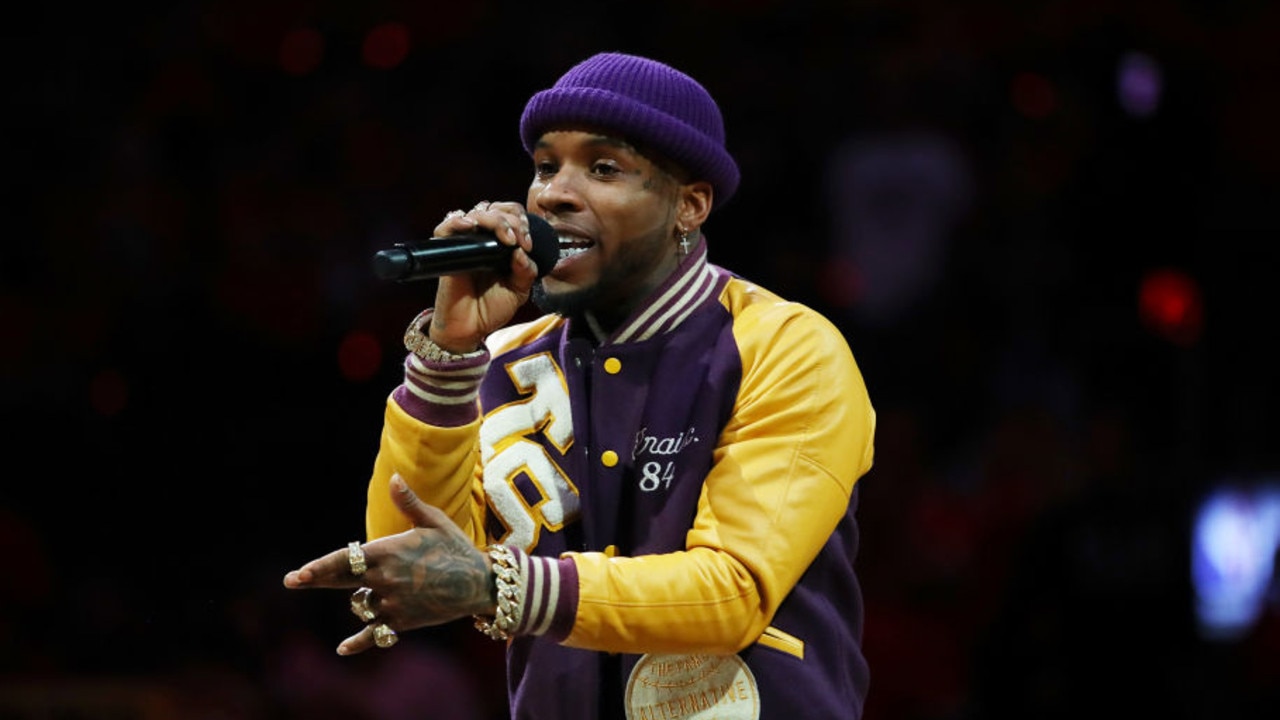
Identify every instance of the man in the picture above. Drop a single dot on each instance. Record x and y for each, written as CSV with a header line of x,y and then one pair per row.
x,y
648,492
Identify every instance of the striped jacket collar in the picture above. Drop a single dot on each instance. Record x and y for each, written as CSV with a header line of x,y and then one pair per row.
x,y
693,283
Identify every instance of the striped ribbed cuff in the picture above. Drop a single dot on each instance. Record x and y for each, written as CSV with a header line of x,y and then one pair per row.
x,y
442,393
550,597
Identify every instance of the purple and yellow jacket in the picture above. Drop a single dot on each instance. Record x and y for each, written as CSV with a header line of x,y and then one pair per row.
x,y
680,495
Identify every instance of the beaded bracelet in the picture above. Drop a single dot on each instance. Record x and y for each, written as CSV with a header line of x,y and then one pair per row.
x,y
420,343
510,595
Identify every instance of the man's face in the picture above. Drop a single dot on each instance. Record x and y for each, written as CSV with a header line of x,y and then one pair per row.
x,y
614,211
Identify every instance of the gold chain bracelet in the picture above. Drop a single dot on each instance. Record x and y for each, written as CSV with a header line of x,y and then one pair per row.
x,y
419,342
510,595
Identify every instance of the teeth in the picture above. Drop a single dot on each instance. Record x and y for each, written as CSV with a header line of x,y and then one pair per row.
x,y
570,246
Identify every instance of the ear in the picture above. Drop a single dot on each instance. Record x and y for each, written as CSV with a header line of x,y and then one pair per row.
x,y
694,204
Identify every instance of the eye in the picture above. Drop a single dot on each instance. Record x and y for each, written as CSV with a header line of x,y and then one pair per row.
x,y
544,168
605,168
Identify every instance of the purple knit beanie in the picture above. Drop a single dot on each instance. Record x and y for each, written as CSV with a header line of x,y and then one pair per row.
x,y
645,101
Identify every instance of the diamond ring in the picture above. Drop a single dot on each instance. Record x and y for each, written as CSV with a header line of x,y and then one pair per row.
x,y
360,604
355,556
384,636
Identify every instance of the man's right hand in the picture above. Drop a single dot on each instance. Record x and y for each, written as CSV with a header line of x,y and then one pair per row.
x,y
470,306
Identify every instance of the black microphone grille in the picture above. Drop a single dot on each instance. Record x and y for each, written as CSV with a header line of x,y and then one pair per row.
x,y
546,245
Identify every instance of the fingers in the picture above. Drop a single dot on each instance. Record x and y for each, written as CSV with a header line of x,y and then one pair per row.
x,y
336,569
376,631
373,635
516,223
524,268
329,571
357,643
508,221
455,221
422,514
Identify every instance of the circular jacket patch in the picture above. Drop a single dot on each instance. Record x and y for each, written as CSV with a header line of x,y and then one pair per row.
x,y
692,687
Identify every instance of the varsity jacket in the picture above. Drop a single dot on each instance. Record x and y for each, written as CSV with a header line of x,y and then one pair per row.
x,y
680,495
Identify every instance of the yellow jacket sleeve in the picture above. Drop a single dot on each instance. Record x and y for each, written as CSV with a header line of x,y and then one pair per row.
x,y
438,463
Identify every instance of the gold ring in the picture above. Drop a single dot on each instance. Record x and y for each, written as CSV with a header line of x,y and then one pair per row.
x,y
355,556
384,636
360,604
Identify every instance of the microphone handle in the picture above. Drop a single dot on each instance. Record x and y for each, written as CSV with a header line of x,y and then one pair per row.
x,y
441,256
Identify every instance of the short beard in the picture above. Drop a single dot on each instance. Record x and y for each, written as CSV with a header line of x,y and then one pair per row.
x,y
613,295
568,304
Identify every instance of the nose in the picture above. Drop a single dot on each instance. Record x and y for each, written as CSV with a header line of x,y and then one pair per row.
x,y
557,194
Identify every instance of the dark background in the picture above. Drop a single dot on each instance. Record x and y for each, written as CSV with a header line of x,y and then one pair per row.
x,y
196,355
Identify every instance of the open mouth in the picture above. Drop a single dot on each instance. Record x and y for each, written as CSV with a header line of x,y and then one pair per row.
x,y
570,246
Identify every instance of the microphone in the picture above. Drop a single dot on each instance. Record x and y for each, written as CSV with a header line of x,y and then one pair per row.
x,y
424,259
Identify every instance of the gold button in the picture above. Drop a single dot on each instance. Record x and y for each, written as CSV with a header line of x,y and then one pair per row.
x,y
612,366
609,458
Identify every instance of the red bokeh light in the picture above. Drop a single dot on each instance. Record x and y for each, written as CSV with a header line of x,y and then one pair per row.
x,y
1033,95
840,283
386,46
1170,305
301,51
359,356
108,393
